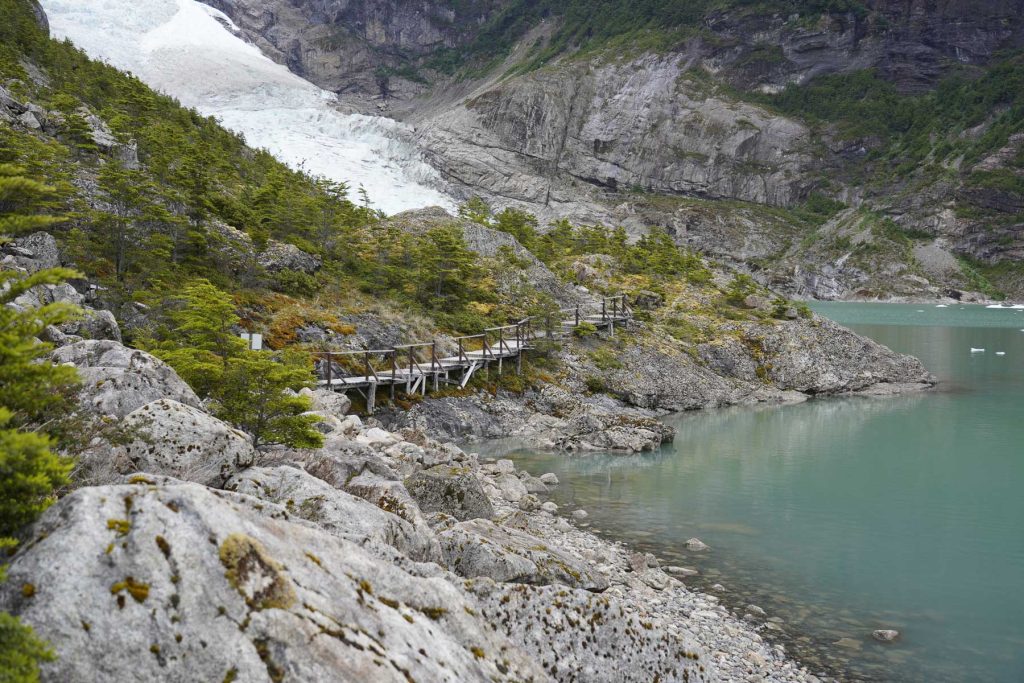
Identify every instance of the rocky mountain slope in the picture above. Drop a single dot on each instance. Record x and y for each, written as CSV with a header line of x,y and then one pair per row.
x,y
573,114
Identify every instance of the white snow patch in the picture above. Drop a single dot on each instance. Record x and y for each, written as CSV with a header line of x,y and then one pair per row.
x,y
189,51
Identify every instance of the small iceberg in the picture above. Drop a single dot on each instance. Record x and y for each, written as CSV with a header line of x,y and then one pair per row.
x,y
941,306
1000,353
974,350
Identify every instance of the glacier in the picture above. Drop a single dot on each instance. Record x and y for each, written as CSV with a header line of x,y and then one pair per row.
x,y
194,53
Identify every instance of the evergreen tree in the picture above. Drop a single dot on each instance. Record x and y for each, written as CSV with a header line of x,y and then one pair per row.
x,y
30,389
20,198
202,338
448,271
254,395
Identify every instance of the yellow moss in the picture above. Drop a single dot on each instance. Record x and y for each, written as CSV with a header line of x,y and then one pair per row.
x,y
121,526
28,590
365,586
140,479
259,578
477,652
164,546
136,589
315,559
434,613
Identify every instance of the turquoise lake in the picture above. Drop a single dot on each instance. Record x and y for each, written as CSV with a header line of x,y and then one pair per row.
x,y
841,516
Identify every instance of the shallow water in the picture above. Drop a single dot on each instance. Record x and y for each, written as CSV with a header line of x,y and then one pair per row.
x,y
841,516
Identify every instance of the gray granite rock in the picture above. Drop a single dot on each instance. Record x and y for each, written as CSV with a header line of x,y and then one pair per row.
x,y
333,510
482,548
181,583
451,490
184,442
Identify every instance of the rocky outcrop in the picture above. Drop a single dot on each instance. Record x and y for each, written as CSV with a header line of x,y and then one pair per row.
x,y
481,548
178,582
490,243
117,380
555,140
336,511
94,324
30,253
450,490
280,256
814,357
183,442
651,654
355,47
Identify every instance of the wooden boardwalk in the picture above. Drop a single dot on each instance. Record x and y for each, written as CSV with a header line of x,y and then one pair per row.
x,y
415,367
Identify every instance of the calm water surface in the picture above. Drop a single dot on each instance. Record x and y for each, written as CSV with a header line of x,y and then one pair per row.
x,y
845,515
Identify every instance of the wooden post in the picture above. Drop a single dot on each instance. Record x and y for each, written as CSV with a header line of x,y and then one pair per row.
x,y
408,377
434,365
611,323
329,363
577,315
604,314
371,397
394,373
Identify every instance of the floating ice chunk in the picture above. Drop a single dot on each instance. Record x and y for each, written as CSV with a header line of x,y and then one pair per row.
x,y
974,350
941,306
1000,353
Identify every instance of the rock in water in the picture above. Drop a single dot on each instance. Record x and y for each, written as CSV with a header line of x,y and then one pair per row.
x,y
181,583
454,491
117,380
183,442
885,635
696,544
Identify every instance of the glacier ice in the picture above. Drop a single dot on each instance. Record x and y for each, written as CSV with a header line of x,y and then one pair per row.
x,y
191,52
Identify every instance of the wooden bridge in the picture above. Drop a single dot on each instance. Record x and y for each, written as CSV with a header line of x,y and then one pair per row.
x,y
417,366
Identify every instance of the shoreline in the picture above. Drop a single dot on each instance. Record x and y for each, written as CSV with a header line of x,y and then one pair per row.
x,y
657,592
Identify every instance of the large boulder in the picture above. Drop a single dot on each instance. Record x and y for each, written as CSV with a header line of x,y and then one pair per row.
x,y
31,253
579,636
280,256
480,547
94,324
454,491
336,511
117,380
180,441
389,495
181,583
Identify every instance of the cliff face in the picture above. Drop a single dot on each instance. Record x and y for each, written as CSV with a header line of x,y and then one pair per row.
x,y
912,43
562,140
630,135
353,46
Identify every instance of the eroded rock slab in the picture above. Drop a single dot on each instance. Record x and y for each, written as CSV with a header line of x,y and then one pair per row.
x,y
481,548
181,583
